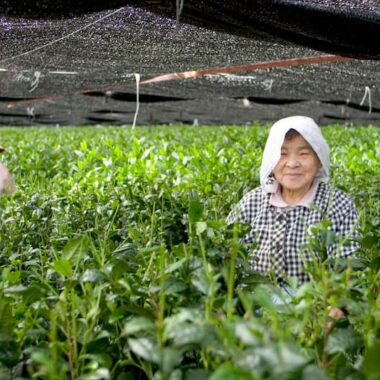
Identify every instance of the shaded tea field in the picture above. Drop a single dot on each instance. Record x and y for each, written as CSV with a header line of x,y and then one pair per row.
x,y
116,262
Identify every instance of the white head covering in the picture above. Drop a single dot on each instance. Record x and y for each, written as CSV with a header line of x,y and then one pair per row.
x,y
7,184
272,152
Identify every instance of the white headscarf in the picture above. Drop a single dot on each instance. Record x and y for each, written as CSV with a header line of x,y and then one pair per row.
x,y
7,184
272,152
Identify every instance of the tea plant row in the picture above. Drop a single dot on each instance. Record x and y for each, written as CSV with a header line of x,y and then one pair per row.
x,y
116,262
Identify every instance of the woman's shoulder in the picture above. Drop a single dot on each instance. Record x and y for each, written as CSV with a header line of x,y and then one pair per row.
x,y
257,193
255,200
337,199
248,207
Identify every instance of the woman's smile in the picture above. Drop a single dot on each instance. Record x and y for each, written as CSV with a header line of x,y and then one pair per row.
x,y
293,175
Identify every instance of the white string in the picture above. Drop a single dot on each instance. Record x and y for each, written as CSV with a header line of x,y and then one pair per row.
x,y
179,9
367,92
137,76
61,38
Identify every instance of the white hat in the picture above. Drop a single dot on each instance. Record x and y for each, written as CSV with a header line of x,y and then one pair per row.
x,y
310,131
7,184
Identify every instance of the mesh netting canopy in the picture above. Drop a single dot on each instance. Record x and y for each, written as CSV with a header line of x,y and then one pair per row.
x,y
93,62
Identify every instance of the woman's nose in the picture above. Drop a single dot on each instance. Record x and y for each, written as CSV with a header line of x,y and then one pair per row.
x,y
292,163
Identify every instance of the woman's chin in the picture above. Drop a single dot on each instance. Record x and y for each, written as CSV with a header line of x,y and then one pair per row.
x,y
295,187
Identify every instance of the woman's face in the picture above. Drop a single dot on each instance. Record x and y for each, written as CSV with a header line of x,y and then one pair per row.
x,y
297,167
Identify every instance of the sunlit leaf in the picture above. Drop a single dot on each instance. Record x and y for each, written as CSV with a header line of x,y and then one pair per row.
x,y
138,324
200,227
101,359
371,362
92,275
145,348
63,267
176,265
75,249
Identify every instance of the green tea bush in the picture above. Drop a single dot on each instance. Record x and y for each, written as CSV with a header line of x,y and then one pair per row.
x,y
116,262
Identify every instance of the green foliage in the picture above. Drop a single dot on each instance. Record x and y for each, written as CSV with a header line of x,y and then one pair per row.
x,y
116,261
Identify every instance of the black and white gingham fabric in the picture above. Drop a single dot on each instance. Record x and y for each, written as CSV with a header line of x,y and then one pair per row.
x,y
280,236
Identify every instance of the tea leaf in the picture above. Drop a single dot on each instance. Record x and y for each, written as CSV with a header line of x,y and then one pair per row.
x,y
138,324
9,354
195,210
343,340
171,358
229,371
75,249
175,266
201,227
145,348
314,372
6,319
92,275
371,362
63,267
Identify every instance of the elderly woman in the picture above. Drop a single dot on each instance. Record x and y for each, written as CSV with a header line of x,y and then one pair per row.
x,y
294,176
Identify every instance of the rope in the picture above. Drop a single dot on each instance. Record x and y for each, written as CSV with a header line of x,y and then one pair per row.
x,y
255,66
367,91
61,38
179,9
137,76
